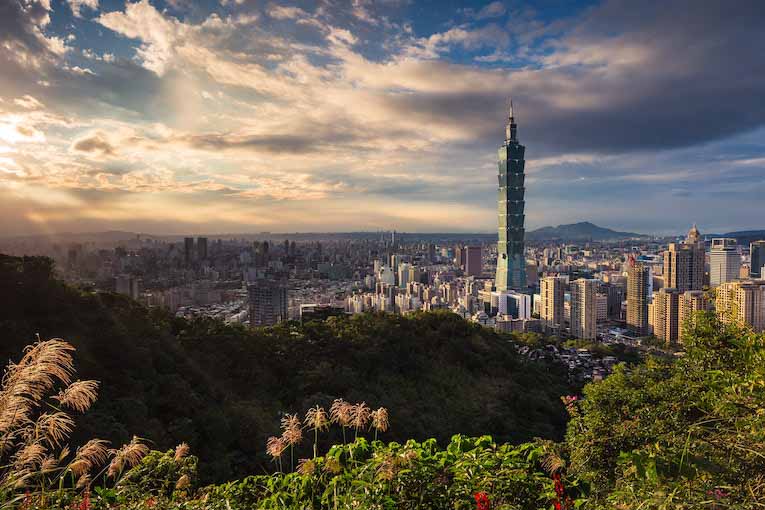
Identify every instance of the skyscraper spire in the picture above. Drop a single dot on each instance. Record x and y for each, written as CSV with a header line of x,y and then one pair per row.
x,y
511,130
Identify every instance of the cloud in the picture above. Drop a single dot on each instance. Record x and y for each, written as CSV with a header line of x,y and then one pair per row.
x,y
22,36
77,5
492,10
28,102
158,33
249,112
95,143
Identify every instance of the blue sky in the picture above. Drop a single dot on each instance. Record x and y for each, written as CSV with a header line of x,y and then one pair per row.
x,y
187,116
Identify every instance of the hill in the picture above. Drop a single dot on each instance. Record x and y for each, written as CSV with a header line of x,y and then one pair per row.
x,y
744,237
224,389
583,231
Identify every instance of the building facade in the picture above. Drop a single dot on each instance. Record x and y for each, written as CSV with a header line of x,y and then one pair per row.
x,y
724,261
638,276
742,302
268,302
684,263
584,309
691,302
552,296
473,260
511,260
757,252
666,312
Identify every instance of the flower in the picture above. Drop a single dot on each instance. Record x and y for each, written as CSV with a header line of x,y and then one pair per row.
x,y
275,446
181,451
317,419
340,412
482,501
380,420
292,431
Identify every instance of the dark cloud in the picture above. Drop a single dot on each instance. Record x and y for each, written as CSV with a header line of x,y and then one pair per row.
x,y
19,24
701,78
96,143
626,76
275,144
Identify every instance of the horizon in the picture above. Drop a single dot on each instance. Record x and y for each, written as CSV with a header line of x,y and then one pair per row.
x,y
362,232
160,116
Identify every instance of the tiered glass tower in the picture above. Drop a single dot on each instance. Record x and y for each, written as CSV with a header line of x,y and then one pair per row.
x,y
511,261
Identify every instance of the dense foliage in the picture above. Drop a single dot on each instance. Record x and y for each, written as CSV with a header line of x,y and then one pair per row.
x,y
224,389
398,476
688,433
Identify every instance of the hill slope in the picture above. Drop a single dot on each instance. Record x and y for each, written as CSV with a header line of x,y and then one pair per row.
x,y
582,231
223,389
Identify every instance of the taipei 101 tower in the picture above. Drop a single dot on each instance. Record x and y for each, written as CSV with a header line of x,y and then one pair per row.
x,y
511,260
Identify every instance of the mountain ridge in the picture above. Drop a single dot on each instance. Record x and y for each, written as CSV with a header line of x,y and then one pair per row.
x,y
581,231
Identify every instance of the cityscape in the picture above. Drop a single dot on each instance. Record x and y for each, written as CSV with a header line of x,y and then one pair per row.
x,y
627,289
366,254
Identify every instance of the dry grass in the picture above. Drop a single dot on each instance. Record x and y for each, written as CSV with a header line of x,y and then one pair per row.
x,y
37,396
357,416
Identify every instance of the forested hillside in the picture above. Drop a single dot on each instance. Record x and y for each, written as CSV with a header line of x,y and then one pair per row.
x,y
224,389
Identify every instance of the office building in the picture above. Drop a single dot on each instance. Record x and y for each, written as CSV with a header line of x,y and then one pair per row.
x,y
403,274
584,310
724,261
666,312
638,279
690,303
552,296
684,263
473,260
188,252
757,252
616,294
601,303
742,302
202,248
511,260
127,285
268,302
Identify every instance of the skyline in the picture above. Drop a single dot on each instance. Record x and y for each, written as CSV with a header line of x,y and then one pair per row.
x,y
219,117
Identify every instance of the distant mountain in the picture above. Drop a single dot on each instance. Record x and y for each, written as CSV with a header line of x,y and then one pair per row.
x,y
744,237
583,231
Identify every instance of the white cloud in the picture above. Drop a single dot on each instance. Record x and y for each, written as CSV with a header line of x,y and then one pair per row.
x,y
77,5
158,33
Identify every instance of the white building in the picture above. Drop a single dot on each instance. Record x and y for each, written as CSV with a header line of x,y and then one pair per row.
x,y
724,261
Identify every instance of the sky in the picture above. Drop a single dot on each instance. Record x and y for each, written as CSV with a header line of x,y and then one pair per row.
x,y
222,116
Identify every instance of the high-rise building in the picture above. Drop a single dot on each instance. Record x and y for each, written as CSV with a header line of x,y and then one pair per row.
x,y
684,263
511,260
601,302
584,309
742,302
616,294
757,252
690,303
403,274
552,295
638,276
473,260
459,257
724,261
188,245
666,312
202,248
268,302
127,285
